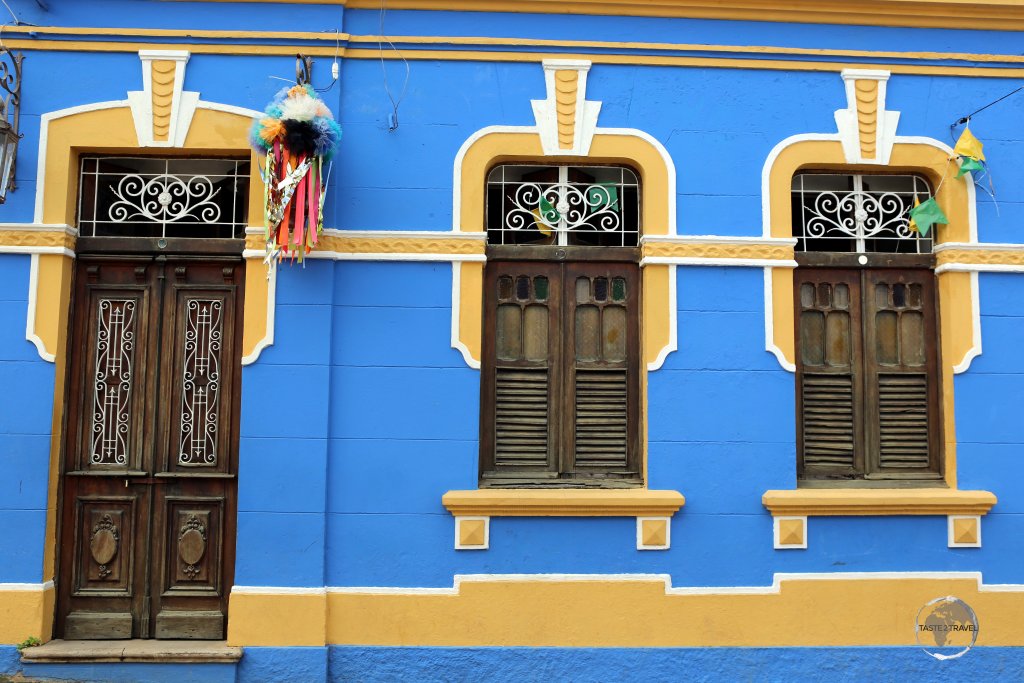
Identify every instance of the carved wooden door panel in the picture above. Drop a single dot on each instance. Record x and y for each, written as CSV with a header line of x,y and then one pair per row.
x,y
147,540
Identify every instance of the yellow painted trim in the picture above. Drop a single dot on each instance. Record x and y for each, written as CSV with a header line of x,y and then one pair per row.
x,y
331,40
53,238
162,78
496,148
955,289
25,613
981,256
339,243
278,620
1007,15
566,86
832,65
112,130
835,611
717,250
563,503
471,308
866,94
862,502
53,305
956,300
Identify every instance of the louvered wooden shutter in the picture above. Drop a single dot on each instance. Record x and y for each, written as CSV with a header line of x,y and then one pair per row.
x,y
520,380
867,373
561,375
829,382
901,368
602,340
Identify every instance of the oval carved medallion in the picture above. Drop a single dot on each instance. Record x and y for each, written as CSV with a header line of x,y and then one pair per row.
x,y
104,540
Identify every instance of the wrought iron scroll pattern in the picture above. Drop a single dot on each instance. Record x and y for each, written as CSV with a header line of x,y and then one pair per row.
x,y
165,199
115,350
571,207
200,382
858,215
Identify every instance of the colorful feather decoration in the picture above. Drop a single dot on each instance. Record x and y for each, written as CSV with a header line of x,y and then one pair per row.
x,y
297,133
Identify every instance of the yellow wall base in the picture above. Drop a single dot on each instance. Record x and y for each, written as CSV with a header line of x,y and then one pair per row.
x,y
26,613
628,611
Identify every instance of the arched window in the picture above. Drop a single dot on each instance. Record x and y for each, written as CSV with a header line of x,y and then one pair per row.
x,y
866,331
561,337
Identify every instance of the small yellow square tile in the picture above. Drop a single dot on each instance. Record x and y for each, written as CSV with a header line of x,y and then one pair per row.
x,y
654,532
472,532
791,532
965,530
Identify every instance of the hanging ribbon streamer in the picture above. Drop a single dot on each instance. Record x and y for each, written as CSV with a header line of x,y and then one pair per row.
x,y
297,133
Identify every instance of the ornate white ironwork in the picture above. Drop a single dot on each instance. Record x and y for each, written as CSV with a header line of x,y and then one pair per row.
x,y
564,207
115,346
200,382
165,199
859,215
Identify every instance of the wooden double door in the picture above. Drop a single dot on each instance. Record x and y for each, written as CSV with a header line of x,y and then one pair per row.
x,y
148,486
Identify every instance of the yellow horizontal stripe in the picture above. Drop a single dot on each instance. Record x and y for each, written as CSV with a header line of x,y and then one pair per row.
x,y
331,39
563,502
833,502
633,612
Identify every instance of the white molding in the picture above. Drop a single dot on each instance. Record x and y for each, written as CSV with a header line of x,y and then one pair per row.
x,y
39,227
774,588
278,590
778,545
63,251
545,112
183,103
673,322
975,350
30,318
978,246
44,123
720,239
373,256
701,261
640,545
41,587
228,108
949,531
769,324
456,315
487,532
979,268
268,338
849,127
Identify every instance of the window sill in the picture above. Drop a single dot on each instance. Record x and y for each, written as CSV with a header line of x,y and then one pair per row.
x,y
563,503
863,502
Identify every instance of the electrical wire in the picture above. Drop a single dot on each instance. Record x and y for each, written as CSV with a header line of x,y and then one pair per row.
x,y
967,119
393,118
17,21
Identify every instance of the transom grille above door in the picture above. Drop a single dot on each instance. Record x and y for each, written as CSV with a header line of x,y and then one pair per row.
x,y
163,198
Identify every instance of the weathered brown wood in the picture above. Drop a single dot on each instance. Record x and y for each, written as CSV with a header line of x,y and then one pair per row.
x,y
98,626
876,415
191,625
537,427
162,521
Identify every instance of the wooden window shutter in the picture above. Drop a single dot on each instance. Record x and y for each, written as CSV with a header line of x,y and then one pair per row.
x,y
901,368
520,383
829,382
602,360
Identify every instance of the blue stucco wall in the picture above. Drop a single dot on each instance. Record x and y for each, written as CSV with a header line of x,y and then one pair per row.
x,y
25,426
361,415
569,665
